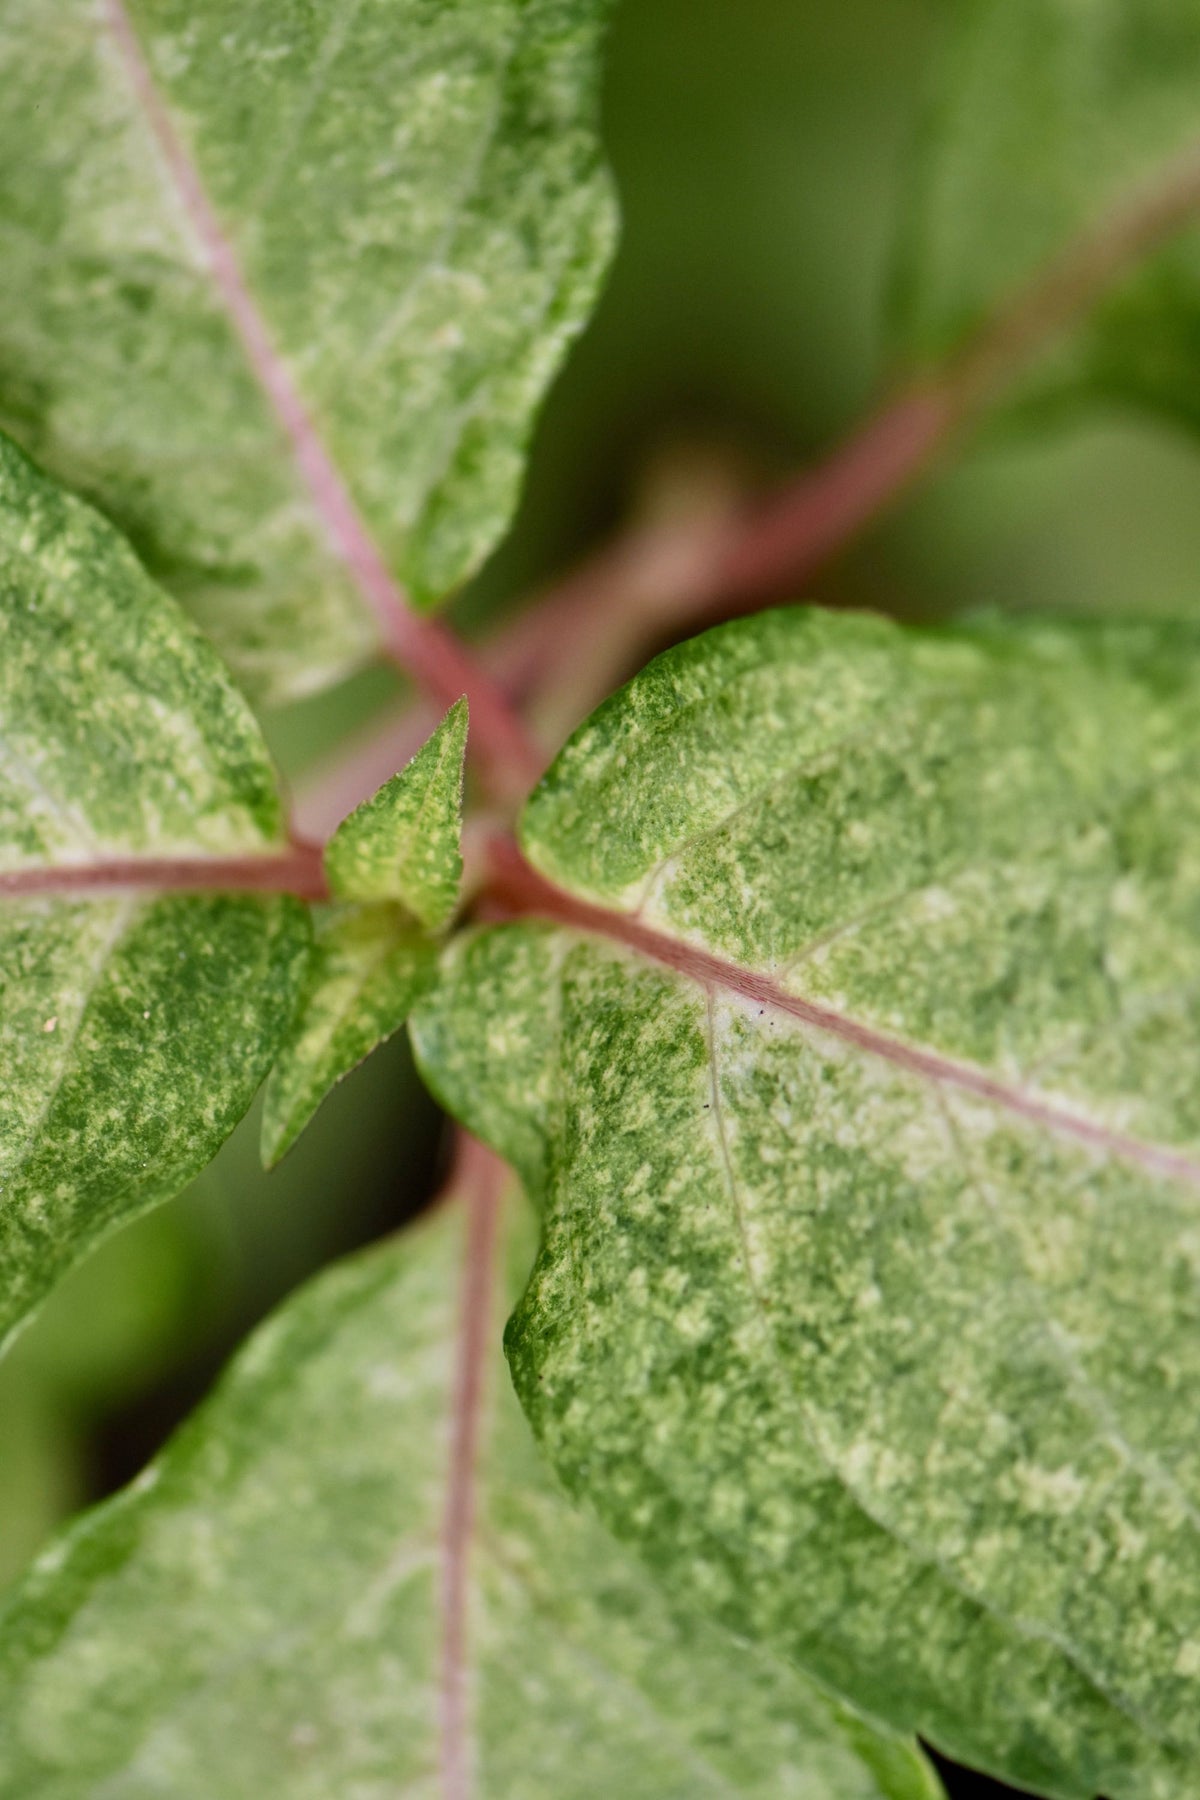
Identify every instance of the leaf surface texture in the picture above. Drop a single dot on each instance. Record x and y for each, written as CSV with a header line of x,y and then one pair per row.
x,y
1051,125
868,1300
412,199
262,1610
403,843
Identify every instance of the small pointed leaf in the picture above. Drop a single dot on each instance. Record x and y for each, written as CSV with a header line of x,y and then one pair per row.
x,y
263,1611
368,967
866,1129
404,843
135,1027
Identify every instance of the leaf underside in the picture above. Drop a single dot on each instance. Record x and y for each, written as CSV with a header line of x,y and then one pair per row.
x,y
868,1300
1047,121
134,1028
262,1611
414,197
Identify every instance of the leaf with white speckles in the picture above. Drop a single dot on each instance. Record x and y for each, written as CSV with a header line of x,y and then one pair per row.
x,y
1050,122
869,1300
368,967
410,216
403,843
134,1028
263,1612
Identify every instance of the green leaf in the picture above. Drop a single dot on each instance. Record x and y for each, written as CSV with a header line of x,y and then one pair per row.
x,y
296,1532
135,1027
404,842
866,1126
368,967
400,853
1051,123
409,200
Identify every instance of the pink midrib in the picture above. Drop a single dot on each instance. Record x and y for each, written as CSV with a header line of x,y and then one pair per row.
x,y
427,651
478,1177
519,888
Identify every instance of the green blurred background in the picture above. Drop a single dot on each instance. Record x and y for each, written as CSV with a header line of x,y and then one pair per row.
x,y
760,149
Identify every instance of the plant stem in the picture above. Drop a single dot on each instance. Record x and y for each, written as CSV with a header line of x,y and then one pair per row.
x,y
477,1180
516,890
298,870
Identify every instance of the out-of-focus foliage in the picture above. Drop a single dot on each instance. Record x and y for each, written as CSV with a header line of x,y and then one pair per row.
x,y
293,1530
1048,122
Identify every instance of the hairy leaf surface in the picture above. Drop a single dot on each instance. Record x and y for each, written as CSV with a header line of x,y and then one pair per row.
x,y
866,1123
1050,123
403,843
135,1027
368,967
264,1610
409,200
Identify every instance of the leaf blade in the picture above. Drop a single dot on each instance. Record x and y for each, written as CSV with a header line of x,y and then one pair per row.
x,y
135,1028
578,1675
970,858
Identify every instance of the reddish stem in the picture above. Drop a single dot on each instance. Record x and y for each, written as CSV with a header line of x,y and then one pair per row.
x,y
666,581
478,1176
298,870
785,538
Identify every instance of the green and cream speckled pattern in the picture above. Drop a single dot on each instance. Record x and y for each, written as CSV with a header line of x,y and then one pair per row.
x,y
415,195
1045,119
891,1376
396,864
122,733
260,1612
368,966
134,1029
404,843
134,1033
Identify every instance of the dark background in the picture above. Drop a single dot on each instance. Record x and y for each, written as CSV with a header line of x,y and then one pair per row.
x,y
761,151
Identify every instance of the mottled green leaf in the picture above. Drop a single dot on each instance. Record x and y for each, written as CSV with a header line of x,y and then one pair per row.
x,y
413,195
135,1028
368,966
1052,121
869,1300
404,842
263,1611
397,861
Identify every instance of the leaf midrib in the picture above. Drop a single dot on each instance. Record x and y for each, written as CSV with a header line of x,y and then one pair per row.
x,y
1029,1630
527,892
